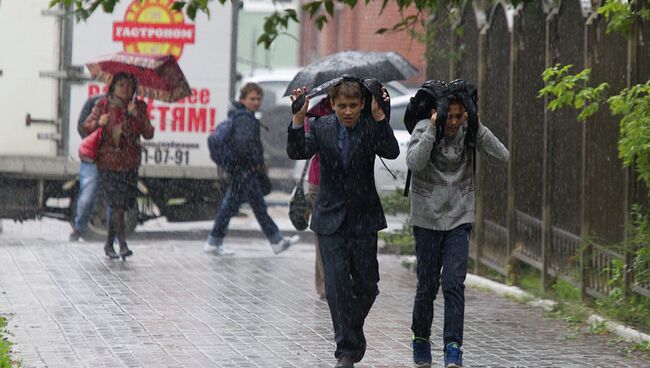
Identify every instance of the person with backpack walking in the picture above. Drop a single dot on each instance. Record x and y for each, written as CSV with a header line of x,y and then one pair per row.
x,y
88,176
347,213
442,206
237,147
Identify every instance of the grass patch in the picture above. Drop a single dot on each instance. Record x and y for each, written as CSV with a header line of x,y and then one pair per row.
x,y
5,346
395,203
401,240
633,311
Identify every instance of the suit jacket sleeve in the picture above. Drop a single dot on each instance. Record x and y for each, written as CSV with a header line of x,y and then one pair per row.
x,y
386,143
301,145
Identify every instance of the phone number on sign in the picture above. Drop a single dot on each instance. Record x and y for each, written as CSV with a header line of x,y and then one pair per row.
x,y
165,156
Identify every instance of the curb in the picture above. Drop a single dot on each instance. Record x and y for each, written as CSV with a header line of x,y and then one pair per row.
x,y
626,333
305,236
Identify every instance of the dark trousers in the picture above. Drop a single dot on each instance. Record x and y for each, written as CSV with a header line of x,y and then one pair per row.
x,y
351,277
436,250
245,187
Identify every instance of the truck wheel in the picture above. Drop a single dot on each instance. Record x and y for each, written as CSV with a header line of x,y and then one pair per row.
x,y
274,140
96,229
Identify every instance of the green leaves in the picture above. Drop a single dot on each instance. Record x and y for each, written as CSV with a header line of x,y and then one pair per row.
x,y
621,15
633,105
83,9
312,7
618,15
178,5
562,89
274,24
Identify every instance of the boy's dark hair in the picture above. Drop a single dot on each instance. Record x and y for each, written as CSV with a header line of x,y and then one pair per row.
x,y
120,76
453,100
348,89
248,88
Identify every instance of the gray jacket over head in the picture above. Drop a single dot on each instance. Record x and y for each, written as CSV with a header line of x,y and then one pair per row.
x,y
442,185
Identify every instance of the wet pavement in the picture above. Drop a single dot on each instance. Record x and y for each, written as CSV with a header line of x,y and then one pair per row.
x,y
171,305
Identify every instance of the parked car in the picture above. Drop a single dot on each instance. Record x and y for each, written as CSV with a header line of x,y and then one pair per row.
x,y
384,181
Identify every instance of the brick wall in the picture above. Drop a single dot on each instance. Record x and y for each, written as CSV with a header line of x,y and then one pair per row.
x,y
354,29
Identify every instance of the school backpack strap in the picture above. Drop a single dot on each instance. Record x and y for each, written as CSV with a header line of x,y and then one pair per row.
x,y
407,185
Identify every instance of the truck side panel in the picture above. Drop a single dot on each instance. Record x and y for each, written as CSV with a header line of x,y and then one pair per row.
x,y
203,52
30,44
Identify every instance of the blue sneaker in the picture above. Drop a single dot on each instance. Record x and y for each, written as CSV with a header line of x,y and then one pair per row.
x,y
421,352
453,355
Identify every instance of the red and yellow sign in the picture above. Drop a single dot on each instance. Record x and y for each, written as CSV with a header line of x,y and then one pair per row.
x,y
152,27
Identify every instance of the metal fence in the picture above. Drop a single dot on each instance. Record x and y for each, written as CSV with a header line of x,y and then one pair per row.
x,y
564,193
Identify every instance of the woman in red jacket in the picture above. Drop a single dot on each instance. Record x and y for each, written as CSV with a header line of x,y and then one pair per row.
x,y
125,120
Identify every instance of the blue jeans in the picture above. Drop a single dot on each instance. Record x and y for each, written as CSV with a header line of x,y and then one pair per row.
x,y
434,250
245,187
88,187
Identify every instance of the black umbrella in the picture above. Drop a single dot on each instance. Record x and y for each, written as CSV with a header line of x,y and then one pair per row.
x,y
372,88
383,66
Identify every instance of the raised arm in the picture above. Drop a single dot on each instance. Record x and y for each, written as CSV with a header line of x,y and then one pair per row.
x,y
301,145
490,147
139,110
420,145
94,120
386,143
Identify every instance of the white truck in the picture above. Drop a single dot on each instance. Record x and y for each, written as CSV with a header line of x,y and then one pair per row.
x,y
43,86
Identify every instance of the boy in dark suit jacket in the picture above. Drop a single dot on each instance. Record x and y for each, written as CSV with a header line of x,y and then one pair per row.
x,y
347,213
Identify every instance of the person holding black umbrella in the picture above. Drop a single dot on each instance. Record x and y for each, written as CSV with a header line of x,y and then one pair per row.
x,y
441,157
347,213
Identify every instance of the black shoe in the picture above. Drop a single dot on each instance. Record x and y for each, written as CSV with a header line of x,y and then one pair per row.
x,y
421,352
125,252
110,252
345,362
75,235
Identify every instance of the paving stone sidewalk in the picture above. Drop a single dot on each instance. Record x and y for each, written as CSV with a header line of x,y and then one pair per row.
x,y
172,305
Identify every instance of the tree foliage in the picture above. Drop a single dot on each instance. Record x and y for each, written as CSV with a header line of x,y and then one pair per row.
x,y
632,105
567,90
278,22
621,15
